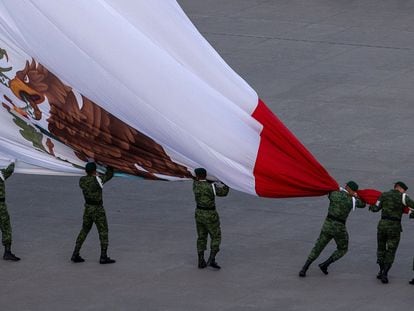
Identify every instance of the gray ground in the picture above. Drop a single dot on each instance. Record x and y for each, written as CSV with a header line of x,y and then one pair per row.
x,y
340,74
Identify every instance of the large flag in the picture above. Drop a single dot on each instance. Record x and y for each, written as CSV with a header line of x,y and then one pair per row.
x,y
133,84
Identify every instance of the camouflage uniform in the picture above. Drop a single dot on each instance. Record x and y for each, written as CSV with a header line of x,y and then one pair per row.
x,y
389,227
206,216
341,204
4,215
94,210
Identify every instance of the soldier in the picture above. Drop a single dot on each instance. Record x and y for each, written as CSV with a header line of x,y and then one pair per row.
x,y
412,216
5,226
206,216
91,186
389,227
340,205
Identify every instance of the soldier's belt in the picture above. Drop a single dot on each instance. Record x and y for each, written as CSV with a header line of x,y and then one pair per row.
x,y
206,208
93,202
331,217
391,218
2,199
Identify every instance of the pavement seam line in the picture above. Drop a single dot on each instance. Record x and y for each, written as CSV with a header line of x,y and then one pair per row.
x,y
310,41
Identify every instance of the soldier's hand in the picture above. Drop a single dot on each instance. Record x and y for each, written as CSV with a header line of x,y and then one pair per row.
x,y
219,184
371,208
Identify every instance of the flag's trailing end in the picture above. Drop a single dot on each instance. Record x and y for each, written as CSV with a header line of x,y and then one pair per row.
x,y
133,84
371,197
284,167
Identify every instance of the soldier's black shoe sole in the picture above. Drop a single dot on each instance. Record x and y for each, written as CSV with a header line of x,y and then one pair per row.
x,y
302,274
411,282
77,259
11,258
324,269
214,265
202,265
106,261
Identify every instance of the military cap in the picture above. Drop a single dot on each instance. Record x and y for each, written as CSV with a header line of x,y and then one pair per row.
x,y
401,184
200,171
90,167
352,185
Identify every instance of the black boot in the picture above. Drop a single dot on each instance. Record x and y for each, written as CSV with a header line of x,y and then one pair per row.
x,y
104,257
305,268
212,260
201,262
411,282
384,276
324,266
75,256
381,271
8,255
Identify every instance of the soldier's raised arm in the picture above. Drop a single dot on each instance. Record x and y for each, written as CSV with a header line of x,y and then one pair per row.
x,y
8,171
359,203
221,189
377,206
408,202
108,174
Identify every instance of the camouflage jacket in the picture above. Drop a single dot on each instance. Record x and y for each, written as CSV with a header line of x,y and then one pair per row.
x,y
6,174
341,204
205,193
91,189
391,204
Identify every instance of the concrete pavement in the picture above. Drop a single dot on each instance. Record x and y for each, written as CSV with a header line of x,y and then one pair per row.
x,y
340,75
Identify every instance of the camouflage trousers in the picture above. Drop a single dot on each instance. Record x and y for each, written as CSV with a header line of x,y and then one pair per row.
x,y
331,230
388,238
208,223
94,214
5,225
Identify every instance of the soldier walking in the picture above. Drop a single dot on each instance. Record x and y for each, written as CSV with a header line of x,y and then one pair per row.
x,y
5,225
411,217
340,205
391,204
206,217
94,213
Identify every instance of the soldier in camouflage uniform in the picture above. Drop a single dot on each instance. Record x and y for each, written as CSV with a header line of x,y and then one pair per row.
x,y
206,216
391,204
91,186
411,217
340,205
5,226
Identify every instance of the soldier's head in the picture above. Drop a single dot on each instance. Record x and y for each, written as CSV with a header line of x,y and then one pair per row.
x,y
400,186
90,168
352,187
200,173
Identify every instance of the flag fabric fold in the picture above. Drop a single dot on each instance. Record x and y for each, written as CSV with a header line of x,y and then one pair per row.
x,y
134,85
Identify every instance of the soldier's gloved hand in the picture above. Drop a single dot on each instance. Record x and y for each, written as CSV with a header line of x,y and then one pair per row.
x,y
219,184
371,208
